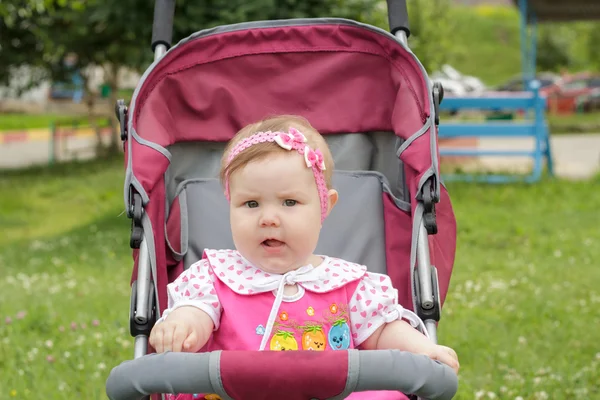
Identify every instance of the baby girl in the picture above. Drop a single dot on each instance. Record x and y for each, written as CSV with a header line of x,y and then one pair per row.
x,y
272,292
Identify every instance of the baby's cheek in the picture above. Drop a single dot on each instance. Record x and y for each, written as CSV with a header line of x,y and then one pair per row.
x,y
307,237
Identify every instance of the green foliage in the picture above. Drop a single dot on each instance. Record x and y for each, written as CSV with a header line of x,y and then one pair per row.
x,y
524,290
115,33
19,41
569,46
593,47
433,27
483,41
552,55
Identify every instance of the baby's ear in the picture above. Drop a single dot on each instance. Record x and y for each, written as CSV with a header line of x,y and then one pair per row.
x,y
332,199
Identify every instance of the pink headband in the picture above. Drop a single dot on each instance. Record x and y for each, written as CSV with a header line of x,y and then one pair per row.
x,y
295,140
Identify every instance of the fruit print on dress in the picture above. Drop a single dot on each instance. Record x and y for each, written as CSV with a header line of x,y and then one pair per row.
x,y
312,334
313,337
283,341
339,335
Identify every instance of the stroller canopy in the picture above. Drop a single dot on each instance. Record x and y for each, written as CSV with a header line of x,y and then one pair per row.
x,y
213,83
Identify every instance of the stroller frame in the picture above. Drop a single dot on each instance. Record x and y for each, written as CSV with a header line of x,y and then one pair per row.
x,y
426,289
143,303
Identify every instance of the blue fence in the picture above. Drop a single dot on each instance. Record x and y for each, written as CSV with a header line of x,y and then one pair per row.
x,y
534,126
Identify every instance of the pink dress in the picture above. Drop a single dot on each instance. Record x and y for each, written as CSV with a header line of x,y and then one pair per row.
x,y
337,307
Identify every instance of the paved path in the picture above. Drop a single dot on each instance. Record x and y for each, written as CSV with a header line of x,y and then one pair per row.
x,y
19,154
575,156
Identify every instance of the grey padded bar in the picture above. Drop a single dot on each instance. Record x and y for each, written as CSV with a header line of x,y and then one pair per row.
x,y
190,373
375,151
160,373
406,372
360,197
353,375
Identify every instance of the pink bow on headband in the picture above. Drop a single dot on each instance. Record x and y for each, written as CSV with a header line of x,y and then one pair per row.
x,y
293,139
314,157
287,140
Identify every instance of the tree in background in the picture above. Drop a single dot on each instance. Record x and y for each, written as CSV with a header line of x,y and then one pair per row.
x,y
433,33
113,34
553,47
573,46
593,46
20,46
431,27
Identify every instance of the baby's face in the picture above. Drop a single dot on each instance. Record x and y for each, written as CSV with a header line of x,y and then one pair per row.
x,y
275,212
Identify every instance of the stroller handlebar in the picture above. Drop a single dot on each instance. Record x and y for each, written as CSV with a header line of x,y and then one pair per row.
x,y
164,13
162,27
292,374
398,16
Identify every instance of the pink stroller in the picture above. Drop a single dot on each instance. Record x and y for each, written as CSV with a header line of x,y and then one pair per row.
x,y
368,94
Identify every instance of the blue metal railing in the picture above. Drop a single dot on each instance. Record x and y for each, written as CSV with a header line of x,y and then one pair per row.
x,y
534,126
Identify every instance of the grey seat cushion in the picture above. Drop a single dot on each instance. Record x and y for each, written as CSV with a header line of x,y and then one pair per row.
x,y
354,230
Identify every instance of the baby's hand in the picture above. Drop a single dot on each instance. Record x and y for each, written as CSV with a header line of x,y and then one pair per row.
x,y
185,329
445,355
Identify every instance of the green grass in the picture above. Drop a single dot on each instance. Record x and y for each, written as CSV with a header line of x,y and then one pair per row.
x,y
65,272
575,123
487,33
521,312
16,121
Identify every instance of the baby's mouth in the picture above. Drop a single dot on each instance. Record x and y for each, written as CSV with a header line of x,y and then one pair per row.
x,y
272,243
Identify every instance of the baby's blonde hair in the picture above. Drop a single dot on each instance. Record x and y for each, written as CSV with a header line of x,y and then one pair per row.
x,y
260,151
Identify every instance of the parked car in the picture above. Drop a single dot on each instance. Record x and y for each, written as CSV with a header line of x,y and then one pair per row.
x,y
515,84
455,83
588,102
563,96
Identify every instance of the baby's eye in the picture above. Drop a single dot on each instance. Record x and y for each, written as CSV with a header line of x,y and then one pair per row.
x,y
290,203
251,204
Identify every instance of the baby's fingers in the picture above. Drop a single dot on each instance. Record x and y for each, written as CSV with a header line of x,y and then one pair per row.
x,y
191,343
447,356
179,336
449,360
157,339
450,351
168,334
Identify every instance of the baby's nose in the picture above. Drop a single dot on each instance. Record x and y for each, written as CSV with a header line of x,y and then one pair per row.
x,y
269,218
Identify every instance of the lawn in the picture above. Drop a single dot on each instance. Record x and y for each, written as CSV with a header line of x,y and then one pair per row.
x,y
521,312
18,121
575,123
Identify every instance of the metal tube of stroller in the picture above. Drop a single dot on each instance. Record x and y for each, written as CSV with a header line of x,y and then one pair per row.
x,y
424,268
159,51
140,346
398,17
431,330
162,26
143,284
401,36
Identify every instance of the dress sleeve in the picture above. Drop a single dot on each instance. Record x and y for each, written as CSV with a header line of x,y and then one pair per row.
x,y
194,287
374,303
